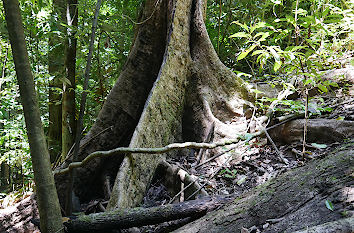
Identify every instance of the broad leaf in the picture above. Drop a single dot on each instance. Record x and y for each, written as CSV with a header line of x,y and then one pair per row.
x,y
240,34
246,52
322,87
329,205
277,65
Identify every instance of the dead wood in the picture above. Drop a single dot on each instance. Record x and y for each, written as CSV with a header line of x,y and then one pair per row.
x,y
318,130
126,218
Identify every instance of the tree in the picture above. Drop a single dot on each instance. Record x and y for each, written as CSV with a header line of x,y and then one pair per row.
x,y
62,65
56,57
69,105
171,49
47,197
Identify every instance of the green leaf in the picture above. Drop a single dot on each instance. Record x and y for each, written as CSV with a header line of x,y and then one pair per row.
x,y
319,146
322,87
325,12
280,20
274,53
257,52
248,136
277,65
329,205
307,81
264,36
240,74
257,25
229,176
301,11
244,26
242,180
276,2
240,34
340,118
246,52
352,62
256,91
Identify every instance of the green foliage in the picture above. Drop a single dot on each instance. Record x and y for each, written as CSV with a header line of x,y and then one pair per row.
x,y
266,34
329,205
227,173
114,38
301,41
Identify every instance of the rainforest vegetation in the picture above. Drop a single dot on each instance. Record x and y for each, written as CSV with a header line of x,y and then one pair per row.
x,y
155,102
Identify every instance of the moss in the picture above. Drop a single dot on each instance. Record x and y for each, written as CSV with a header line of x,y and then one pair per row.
x,y
239,211
85,218
237,199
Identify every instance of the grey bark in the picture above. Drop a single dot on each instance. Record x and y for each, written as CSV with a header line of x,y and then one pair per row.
x,y
341,226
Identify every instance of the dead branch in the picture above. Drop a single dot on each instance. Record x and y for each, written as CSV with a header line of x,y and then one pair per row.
x,y
126,218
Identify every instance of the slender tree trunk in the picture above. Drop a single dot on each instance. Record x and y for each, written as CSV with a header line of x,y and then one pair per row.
x,y
68,108
56,69
48,203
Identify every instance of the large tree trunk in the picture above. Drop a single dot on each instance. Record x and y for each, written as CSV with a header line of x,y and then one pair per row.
x,y
122,109
190,89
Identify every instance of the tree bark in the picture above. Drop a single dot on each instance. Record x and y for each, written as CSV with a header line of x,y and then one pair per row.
x,y
192,89
122,109
340,226
48,203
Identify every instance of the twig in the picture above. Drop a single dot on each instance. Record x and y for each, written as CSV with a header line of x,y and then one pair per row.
x,y
273,144
215,172
182,190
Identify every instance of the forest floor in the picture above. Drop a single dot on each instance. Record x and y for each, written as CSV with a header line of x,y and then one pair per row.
x,y
237,168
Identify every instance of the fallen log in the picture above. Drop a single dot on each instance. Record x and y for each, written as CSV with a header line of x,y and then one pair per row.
x,y
292,201
135,217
